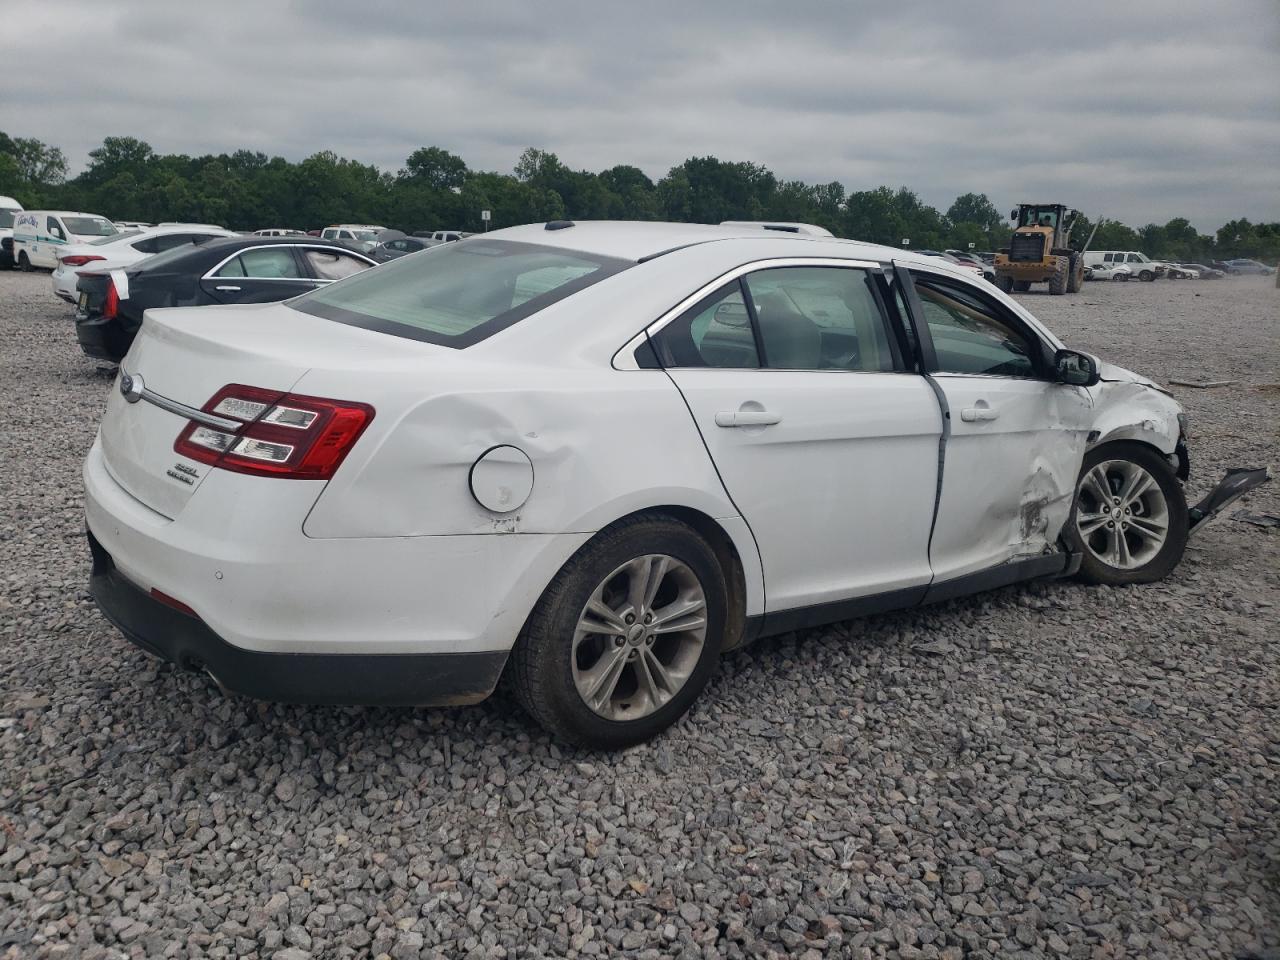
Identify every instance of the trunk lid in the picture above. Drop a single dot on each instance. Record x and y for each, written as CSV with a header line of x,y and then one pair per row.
x,y
183,356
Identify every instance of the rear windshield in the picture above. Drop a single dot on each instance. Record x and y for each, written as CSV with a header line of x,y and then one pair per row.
x,y
90,226
114,237
165,257
459,294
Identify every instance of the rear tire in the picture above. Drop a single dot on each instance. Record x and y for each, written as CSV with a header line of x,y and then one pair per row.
x,y
1022,286
597,647
1129,520
1005,283
24,262
1061,277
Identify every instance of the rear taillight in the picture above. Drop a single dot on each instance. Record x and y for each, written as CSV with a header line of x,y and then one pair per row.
x,y
279,434
79,260
111,302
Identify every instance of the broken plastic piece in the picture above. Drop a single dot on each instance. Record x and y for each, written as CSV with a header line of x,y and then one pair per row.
x,y
1203,384
1257,519
1230,488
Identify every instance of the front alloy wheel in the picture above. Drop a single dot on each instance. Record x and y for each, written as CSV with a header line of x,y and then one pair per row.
x,y
1130,516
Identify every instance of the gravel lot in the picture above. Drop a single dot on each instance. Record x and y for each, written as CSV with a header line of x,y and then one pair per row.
x,y
1066,771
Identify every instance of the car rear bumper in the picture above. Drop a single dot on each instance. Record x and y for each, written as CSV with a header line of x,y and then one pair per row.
x,y
377,679
262,592
101,338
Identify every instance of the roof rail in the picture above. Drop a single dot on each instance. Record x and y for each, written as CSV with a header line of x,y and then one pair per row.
x,y
781,226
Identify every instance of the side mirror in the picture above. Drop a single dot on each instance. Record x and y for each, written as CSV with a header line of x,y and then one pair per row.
x,y
1075,369
1013,215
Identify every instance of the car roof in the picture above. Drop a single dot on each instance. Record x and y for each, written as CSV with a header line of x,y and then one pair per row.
x,y
641,240
69,213
216,249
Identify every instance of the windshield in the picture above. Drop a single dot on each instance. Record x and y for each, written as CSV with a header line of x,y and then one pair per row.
x,y
90,226
461,293
114,237
366,234
1038,217
7,215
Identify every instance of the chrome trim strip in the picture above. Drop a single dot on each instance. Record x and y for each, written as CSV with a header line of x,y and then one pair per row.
x,y
190,413
625,358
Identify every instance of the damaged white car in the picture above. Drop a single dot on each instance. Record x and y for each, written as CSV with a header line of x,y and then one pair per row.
x,y
597,455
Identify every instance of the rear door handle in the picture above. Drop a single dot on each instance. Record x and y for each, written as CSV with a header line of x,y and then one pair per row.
x,y
228,289
972,414
747,418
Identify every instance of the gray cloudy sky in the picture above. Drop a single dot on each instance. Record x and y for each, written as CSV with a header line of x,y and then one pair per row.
x,y
1137,110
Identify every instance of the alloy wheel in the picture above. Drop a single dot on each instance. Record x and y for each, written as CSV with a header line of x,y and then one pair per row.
x,y
639,637
1121,514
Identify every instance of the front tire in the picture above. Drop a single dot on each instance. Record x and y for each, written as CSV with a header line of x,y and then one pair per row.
x,y
1075,279
1147,275
1061,277
1022,286
1129,520
625,636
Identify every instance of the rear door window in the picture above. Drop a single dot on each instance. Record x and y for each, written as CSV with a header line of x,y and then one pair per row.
x,y
714,332
820,318
333,264
270,263
460,295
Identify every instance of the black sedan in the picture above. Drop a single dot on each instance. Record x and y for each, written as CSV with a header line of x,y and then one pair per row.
x,y
399,246
232,270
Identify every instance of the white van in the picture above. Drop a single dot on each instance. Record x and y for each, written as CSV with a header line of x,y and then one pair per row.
x,y
39,234
9,209
1143,267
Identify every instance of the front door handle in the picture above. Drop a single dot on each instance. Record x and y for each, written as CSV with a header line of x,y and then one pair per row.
x,y
980,412
227,289
747,418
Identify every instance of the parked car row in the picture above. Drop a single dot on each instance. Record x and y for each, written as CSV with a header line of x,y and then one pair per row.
x,y
124,250
218,270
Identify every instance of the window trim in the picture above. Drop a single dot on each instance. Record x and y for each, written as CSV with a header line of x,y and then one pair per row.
x,y
624,358
1042,351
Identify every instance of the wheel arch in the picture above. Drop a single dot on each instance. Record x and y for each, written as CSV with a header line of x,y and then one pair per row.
x,y
730,558
731,541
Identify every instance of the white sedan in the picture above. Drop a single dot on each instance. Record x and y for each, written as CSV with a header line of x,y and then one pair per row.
x,y
1108,271
597,455
123,250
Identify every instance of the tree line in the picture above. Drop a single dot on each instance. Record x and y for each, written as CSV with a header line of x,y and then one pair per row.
x,y
246,190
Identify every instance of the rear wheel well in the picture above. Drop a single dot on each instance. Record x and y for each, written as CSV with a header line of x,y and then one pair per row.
x,y
735,581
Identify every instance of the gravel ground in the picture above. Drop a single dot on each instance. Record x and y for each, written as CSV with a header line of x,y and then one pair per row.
x,y
1065,772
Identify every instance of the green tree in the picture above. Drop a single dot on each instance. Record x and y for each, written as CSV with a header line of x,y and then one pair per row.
x,y
974,208
435,168
38,163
